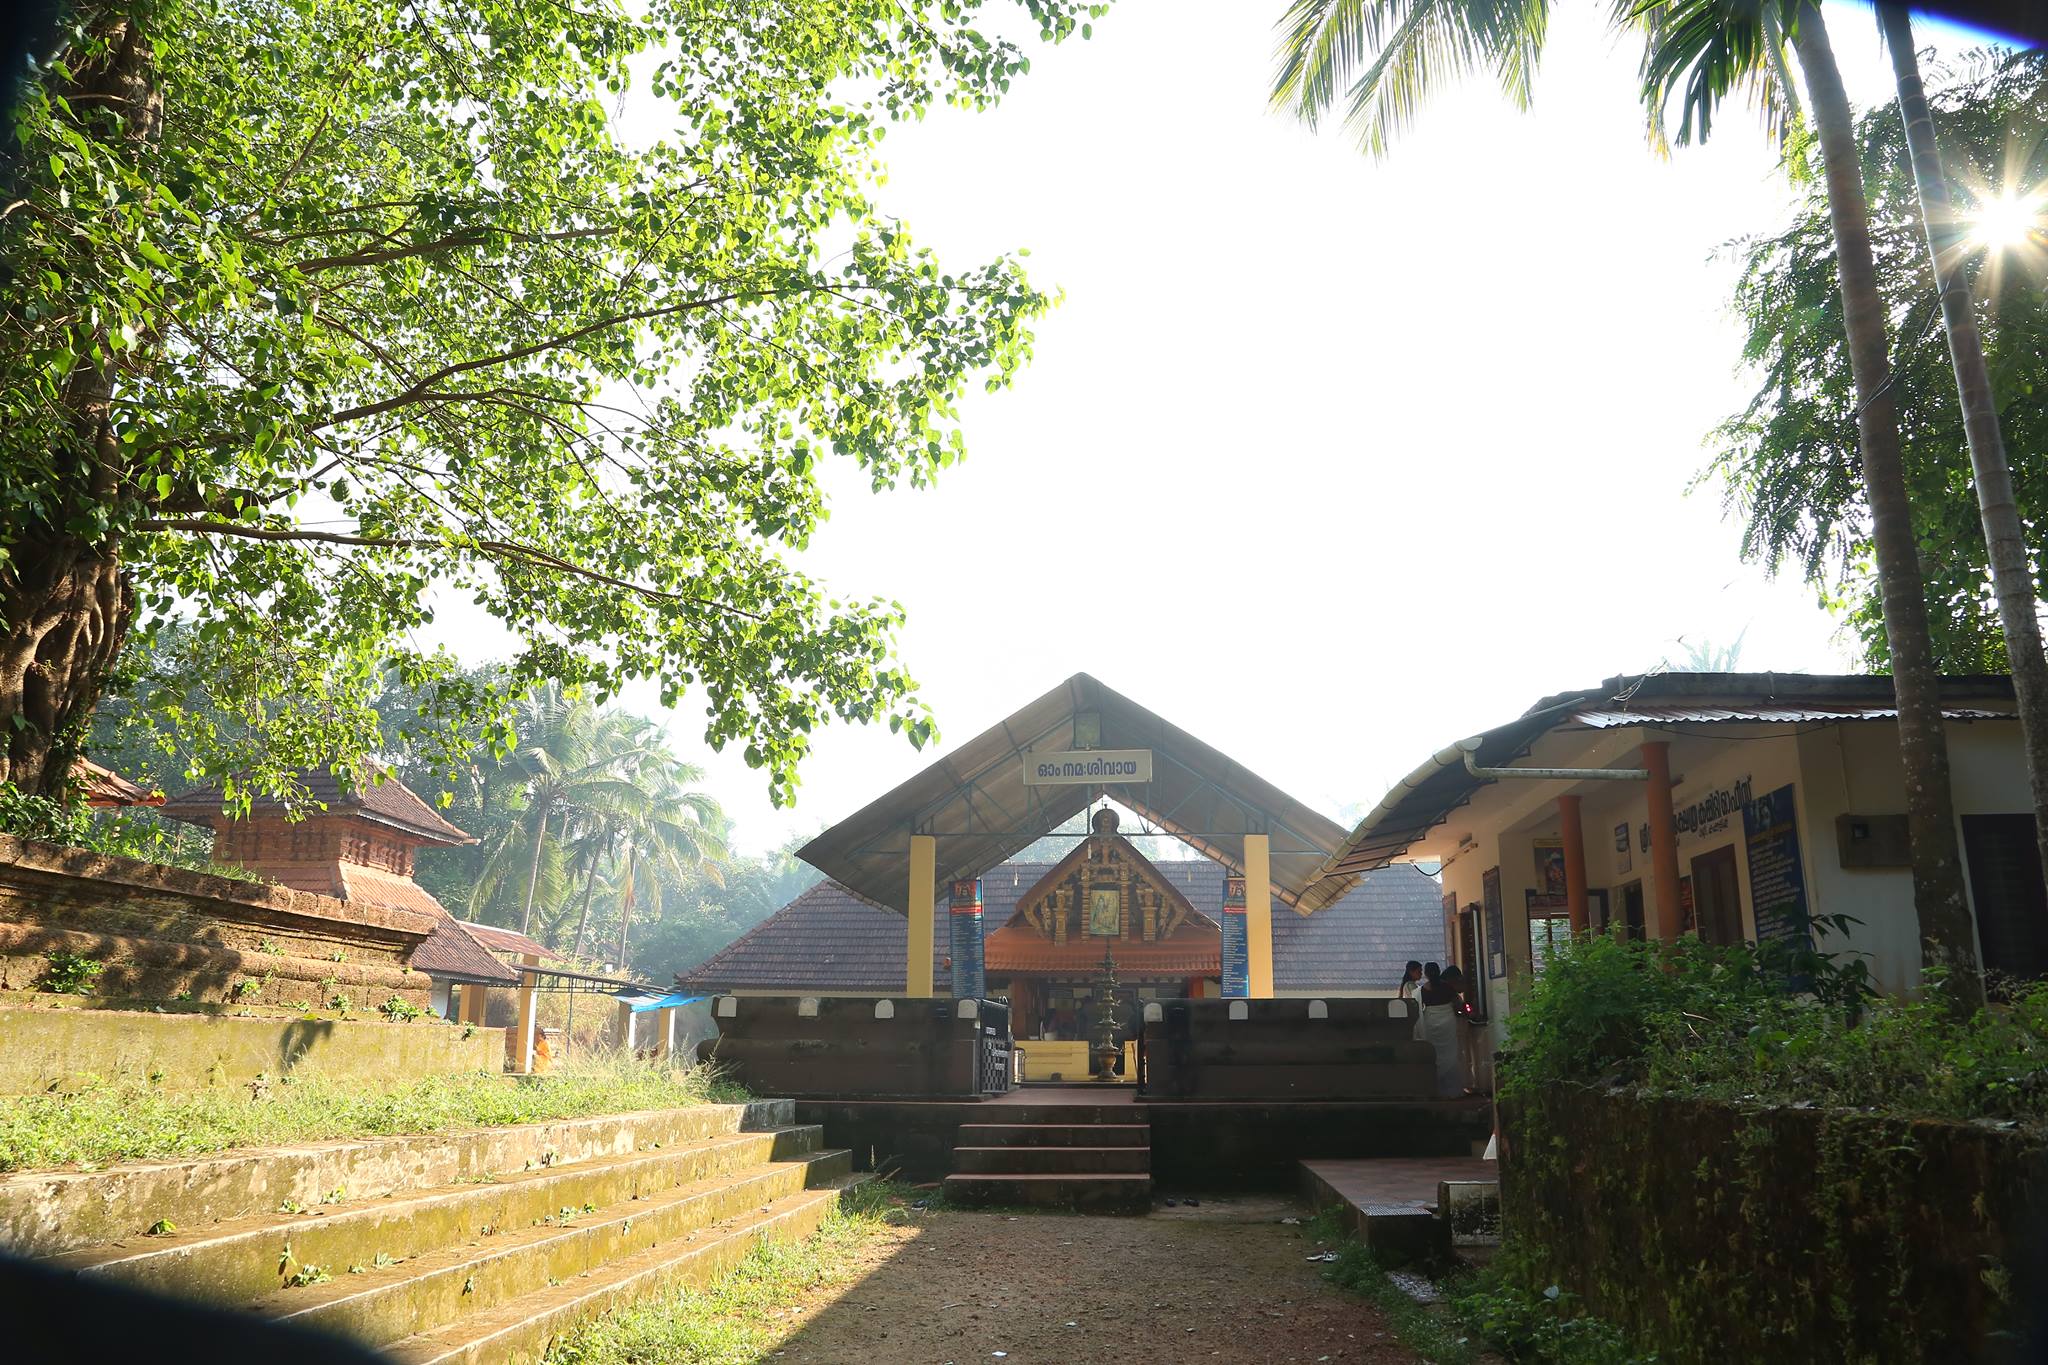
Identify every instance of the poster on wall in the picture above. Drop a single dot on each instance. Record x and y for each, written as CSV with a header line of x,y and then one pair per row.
x,y
1549,867
1777,873
1624,860
1496,926
1687,921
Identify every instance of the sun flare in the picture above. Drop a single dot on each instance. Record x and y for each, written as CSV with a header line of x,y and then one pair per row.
x,y
2008,220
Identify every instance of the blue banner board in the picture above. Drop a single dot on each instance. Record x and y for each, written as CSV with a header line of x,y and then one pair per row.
x,y
970,979
1237,959
1777,874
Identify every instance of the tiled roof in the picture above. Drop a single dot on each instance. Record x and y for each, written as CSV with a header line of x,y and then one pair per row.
x,y
451,952
389,802
829,939
510,941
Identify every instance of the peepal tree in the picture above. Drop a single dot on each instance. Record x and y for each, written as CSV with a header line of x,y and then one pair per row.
x,y
321,312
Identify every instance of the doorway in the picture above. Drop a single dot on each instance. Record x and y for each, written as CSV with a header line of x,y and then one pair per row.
x,y
1717,897
2006,888
1632,910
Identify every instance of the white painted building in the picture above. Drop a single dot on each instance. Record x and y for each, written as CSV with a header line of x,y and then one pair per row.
x,y
1786,798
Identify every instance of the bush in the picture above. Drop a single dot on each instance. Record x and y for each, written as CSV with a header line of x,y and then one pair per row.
x,y
136,834
1777,1026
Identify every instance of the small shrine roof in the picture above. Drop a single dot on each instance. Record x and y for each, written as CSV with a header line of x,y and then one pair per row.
x,y
389,803
453,952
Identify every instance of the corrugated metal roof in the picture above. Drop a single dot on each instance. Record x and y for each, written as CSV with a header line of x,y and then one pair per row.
x,y
977,803
1423,799
1663,714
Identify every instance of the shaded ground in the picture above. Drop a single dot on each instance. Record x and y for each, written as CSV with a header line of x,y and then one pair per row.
x,y
1223,1282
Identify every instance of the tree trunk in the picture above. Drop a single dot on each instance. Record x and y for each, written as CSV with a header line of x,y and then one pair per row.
x,y
2005,536
583,920
626,902
65,602
540,837
1947,938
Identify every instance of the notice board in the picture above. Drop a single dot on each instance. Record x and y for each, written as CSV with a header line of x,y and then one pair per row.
x,y
1777,873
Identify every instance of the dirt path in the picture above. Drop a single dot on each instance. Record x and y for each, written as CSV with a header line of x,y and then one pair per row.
x,y
1227,1282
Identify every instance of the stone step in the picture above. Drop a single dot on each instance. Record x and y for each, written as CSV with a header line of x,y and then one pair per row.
x,y
1106,1193
1028,1112
521,1330
1055,1135
45,1212
1051,1160
243,1259
449,1286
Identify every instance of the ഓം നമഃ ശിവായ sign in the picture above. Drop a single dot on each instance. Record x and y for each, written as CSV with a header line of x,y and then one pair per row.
x,y
1087,766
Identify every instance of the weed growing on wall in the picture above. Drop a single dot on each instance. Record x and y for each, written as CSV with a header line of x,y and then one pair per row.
x,y
1775,1027
66,973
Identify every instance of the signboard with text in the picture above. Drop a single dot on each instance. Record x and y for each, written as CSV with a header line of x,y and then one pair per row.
x,y
1777,873
1087,767
1237,962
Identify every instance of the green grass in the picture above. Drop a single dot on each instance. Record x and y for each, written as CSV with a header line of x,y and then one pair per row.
x,y
128,1122
733,1319
1490,1310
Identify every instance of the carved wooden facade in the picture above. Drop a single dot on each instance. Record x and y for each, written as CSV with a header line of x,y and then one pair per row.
x,y
1104,890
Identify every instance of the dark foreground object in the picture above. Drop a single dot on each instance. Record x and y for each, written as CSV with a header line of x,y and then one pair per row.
x,y
56,1316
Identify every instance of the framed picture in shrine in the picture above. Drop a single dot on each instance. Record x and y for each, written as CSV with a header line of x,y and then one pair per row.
x,y
1105,911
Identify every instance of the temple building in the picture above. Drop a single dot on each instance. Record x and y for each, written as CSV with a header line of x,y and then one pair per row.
x,y
359,846
1047,927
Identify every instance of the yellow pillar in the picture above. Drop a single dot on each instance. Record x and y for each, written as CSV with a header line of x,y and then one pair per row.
x,y
1258,915
529,1017
917,928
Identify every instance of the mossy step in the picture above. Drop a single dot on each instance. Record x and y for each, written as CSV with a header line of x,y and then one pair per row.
x,y
380,1305
243,1259
521,1331
46,1212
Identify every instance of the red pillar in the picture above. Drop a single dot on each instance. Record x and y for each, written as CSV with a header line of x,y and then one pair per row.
x,y
1663,838
1574,834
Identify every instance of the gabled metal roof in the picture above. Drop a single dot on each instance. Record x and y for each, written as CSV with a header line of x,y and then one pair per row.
x,y
975,801
1441,784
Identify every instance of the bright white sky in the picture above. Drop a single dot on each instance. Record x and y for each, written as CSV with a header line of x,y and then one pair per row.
x,y
1329,462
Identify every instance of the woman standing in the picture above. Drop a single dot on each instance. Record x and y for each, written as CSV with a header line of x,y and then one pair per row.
x,y
1440,1004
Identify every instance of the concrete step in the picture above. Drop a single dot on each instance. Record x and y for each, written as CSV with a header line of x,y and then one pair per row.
x,y
46,1212
1051,1160
1055,1135
1106,1193
448,1286
521,1330
242,1259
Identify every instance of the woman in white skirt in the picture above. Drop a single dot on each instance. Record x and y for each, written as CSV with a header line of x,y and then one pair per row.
x,y
1439,1028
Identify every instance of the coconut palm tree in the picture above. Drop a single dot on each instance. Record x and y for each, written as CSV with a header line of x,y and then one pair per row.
x,y
1708,48
1386,56
1950,244
570,757
678,830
